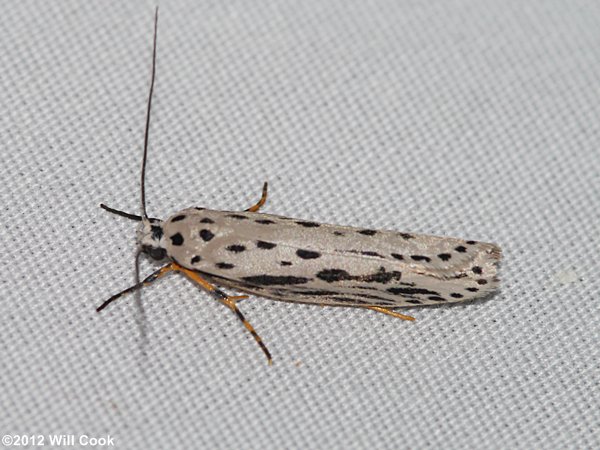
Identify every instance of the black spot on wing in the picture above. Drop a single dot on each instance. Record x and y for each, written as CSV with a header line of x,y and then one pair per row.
x,y
360,252
196,259
471,242
236,248
308,224
285,263
411,291
369,253
436,298
368,232
420,258
332,275
178,218
265,245
407,236
307,254
206,235
338,233
481,281
476,269
207,220
224,265
177,239
264,221
461,249
397,256
237,216
270,280
381,277
444,256
472,289
456,295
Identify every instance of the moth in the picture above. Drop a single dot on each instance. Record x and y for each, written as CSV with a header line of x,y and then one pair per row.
x,y
302,261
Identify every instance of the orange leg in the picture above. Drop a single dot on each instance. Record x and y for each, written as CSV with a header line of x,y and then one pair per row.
x,y
390,312
229,301
262,200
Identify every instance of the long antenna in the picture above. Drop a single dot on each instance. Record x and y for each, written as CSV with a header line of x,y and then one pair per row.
x,y
147,131
120,213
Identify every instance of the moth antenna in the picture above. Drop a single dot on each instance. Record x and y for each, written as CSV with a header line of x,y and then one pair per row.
x,y
120,213
147,130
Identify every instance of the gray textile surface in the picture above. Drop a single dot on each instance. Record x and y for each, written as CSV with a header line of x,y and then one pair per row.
x,y
467,118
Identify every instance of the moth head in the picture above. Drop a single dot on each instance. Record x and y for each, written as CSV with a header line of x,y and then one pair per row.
x,y
150,238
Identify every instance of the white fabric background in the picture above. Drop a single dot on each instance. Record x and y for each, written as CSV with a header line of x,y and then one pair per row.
x,y
468,118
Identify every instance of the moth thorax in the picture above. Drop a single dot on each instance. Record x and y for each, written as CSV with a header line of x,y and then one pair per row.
x,y
150,238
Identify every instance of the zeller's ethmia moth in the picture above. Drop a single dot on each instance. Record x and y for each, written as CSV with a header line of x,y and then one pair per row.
x,y
294,260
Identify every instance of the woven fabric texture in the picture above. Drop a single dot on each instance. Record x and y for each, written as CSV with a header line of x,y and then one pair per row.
x,y
477,119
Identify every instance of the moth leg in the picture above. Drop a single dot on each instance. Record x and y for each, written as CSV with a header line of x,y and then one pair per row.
x,y
145,282
390,312
262,200
229,301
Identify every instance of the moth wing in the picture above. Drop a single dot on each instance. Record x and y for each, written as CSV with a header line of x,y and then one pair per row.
x,y
300,261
